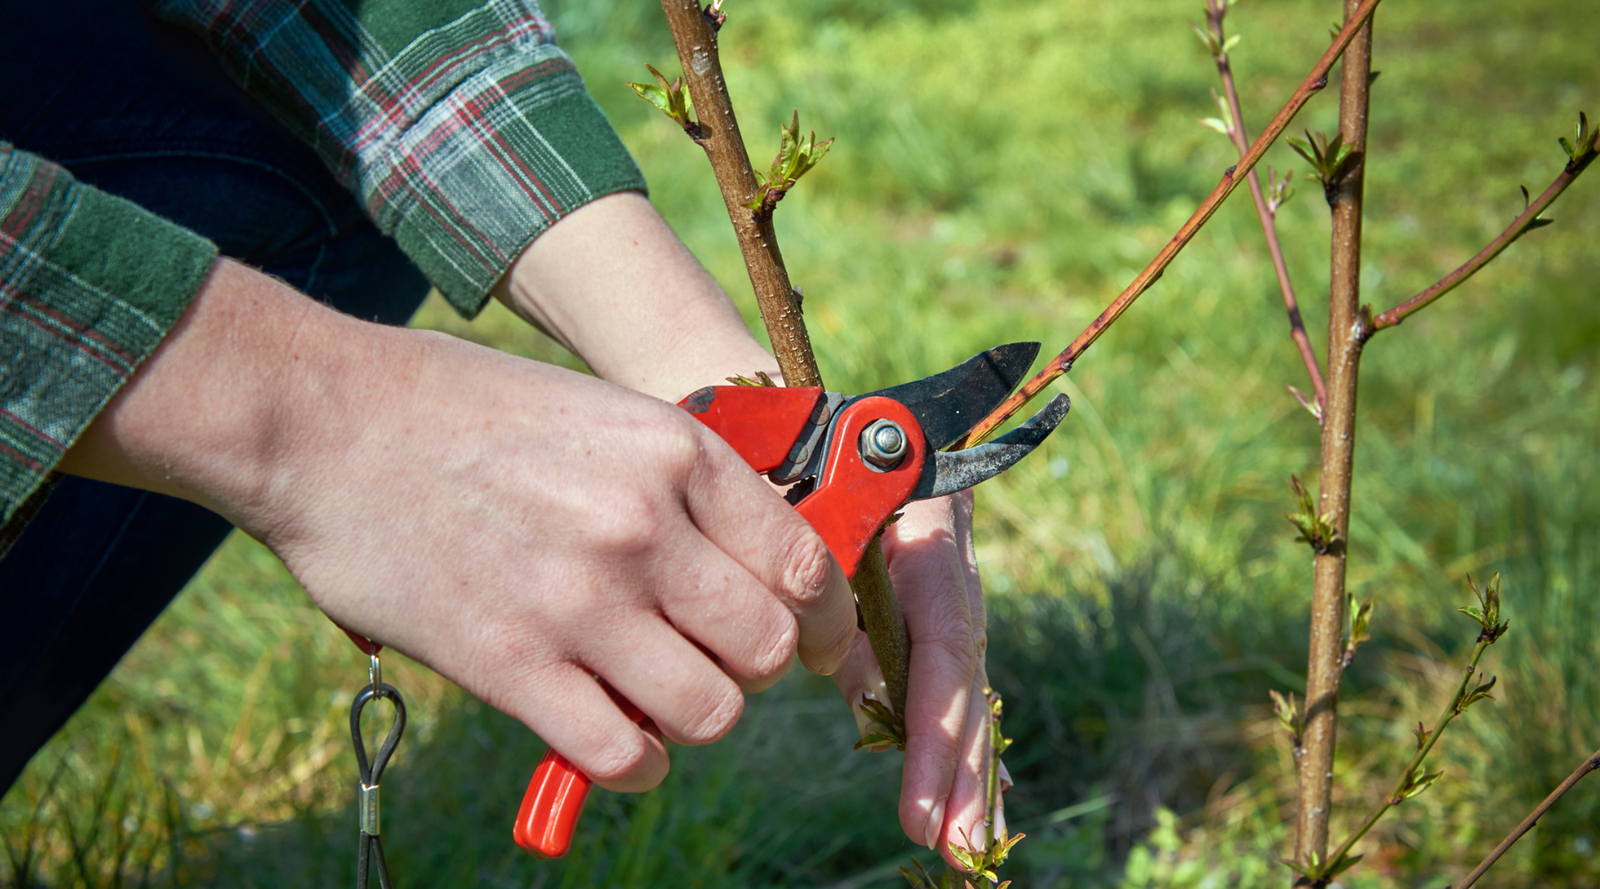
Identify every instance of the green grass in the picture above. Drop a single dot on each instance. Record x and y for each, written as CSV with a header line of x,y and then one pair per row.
x,y
1001,171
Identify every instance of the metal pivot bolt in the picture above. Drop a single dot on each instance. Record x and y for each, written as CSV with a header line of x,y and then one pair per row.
x,y
883,444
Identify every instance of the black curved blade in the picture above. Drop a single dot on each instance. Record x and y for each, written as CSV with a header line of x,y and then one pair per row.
x,y
952,471
949,404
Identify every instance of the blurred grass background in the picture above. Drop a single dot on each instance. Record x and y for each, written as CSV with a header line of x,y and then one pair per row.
x,y
1001,171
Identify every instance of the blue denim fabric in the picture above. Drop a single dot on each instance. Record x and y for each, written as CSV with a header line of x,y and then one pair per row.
x,y
138,109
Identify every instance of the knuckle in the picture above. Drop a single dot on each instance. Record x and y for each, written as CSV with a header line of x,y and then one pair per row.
x,y
773,661
805,566
620,759
675,441
716,719
954,645
628,525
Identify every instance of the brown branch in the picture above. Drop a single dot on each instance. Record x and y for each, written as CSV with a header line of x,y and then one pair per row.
x,y
1346,333
1216,10
1059,365
1589,765
694,32
695,35
1519,227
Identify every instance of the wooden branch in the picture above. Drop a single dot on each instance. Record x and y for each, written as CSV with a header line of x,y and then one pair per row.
x,y
1589,765
1063,362
1346,334
1519,227
1216,10
695,35
694,32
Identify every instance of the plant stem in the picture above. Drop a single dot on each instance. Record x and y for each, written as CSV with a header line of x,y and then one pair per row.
x,y
695,36
1452,709
1589,765
991,799
1216,10
1345,338
885,625
1519,227
696,41
1062,363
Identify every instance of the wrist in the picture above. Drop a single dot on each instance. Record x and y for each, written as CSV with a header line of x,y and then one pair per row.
x,y
231,412
612,283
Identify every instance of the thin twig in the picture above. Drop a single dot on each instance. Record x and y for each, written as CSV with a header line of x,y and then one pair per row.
x,y
1059,365
1589,765
1409,775
1519,227
694,32
1216,10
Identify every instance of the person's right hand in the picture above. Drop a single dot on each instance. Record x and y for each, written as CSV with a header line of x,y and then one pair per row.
x,y
517,527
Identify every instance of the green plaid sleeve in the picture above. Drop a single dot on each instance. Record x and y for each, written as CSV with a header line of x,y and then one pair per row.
x,y
464,130
89,285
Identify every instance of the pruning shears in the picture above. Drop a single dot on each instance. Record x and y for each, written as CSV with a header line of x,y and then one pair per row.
x,y
853,462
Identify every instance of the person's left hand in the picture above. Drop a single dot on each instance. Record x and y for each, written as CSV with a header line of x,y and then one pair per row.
x,y
935,574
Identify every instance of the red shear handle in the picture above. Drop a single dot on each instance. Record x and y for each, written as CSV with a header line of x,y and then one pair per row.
x,y
551,807
555,796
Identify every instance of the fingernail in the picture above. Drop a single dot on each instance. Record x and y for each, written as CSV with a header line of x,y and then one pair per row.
x,y
978,837
935,823
1005,779
1000,822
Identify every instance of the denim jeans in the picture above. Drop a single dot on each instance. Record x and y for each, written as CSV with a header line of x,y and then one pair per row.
x,y
138,109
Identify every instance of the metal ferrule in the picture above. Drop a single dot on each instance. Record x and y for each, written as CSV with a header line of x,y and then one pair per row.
x,y
368,804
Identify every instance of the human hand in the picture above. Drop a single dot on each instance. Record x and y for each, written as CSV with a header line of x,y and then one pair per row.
x,y
517,527
935,573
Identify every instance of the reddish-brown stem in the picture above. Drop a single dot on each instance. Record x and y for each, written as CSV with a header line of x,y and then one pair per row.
x,y
1215,11
1518,227
696,40
695,35
1059,365
1346,334
1589,765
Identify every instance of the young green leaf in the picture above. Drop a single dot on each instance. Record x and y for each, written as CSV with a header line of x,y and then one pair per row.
x,y
1416,783
1287,713
1477,694
1231,42
1208,39
1316,530
1344,863
1298,868
1423,734
1487,611
670,97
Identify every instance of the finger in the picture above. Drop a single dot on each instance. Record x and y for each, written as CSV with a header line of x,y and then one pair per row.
x,y
961,513
578,719
731,615
738,512
926,566
964,810
668,678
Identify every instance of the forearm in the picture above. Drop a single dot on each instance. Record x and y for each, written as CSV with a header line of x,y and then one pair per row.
x,y
615,285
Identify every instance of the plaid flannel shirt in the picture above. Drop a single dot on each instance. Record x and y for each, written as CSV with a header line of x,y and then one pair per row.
x,y
464,131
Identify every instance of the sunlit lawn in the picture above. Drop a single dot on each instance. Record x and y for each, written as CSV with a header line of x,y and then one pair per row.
x,y
1001,171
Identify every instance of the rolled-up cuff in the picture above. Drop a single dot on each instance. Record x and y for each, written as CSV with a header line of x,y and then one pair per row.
x,y
89,286
506,155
